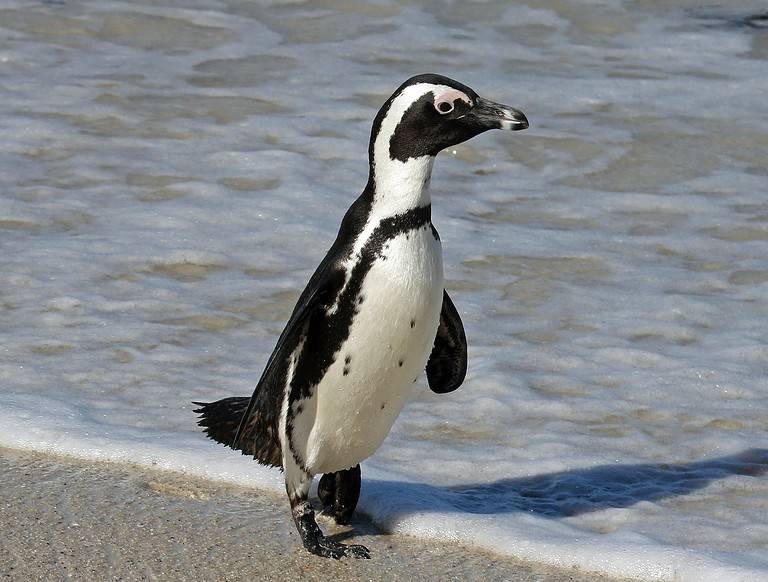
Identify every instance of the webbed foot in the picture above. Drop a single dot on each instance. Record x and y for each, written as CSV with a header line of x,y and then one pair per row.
x,y
328,548
314,540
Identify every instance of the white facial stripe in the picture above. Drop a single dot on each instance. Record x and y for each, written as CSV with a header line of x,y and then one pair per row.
x,y
402,102
397,109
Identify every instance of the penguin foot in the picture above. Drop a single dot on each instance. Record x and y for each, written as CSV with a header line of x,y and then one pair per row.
x,y
339,493
328,548
314,540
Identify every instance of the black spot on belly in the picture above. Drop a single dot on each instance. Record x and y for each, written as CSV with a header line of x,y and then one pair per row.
x,y
360,299
346,371
400,363
413,323
347,360
299,409
383,404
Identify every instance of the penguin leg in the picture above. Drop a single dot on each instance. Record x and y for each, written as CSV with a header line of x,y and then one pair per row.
x,y
304,517
339,493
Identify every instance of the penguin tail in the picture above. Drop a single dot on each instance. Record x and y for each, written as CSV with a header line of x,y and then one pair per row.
x,y
221,419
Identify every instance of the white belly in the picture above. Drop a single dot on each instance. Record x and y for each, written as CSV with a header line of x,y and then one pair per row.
x,y
359,398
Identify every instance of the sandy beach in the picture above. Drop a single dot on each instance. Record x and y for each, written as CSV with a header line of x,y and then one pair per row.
x,y
63,518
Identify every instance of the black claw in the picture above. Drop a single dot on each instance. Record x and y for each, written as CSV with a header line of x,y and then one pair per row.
x,y
328,548
358,551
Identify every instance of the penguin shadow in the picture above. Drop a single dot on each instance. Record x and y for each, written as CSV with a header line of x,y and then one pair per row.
x,y
574,492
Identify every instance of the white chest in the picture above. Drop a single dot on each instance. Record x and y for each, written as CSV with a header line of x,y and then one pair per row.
x,y
391,337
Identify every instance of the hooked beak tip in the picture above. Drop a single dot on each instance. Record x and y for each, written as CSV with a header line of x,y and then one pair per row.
x,y
514,120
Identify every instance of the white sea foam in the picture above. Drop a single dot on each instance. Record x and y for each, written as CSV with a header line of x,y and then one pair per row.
x,y
171,175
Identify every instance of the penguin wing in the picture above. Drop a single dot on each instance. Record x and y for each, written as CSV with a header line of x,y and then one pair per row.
x,y
265,404
447,363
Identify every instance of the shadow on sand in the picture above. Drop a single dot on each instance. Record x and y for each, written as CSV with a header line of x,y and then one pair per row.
x,y
578,491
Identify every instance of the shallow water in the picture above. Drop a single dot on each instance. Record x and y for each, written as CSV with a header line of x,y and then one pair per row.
x,y
172,172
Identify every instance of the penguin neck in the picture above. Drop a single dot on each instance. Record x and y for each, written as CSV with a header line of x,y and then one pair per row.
x,y
399,186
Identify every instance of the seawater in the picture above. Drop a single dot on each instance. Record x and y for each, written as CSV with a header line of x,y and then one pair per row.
x,y
172,171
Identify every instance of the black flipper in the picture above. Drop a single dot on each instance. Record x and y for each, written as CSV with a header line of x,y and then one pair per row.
x,y
339,493
447,363
251,425
261,418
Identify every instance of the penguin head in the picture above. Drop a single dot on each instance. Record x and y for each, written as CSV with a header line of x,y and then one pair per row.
x,y
429,113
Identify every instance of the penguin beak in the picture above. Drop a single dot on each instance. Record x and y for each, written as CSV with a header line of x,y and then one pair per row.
x,y
492,115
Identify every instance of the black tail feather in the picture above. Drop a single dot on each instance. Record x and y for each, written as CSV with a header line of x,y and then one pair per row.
x,y
220,421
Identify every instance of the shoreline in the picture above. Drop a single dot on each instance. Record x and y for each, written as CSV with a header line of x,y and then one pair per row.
x,y
69,518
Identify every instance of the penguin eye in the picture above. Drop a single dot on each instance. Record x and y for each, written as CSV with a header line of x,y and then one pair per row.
x,y
444,107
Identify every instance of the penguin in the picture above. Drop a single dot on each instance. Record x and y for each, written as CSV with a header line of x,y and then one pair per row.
x,y
374,314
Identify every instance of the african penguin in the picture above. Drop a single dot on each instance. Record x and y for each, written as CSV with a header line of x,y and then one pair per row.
x,y
373,315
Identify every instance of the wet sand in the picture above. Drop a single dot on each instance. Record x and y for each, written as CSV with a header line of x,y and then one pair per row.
x,y
64,518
